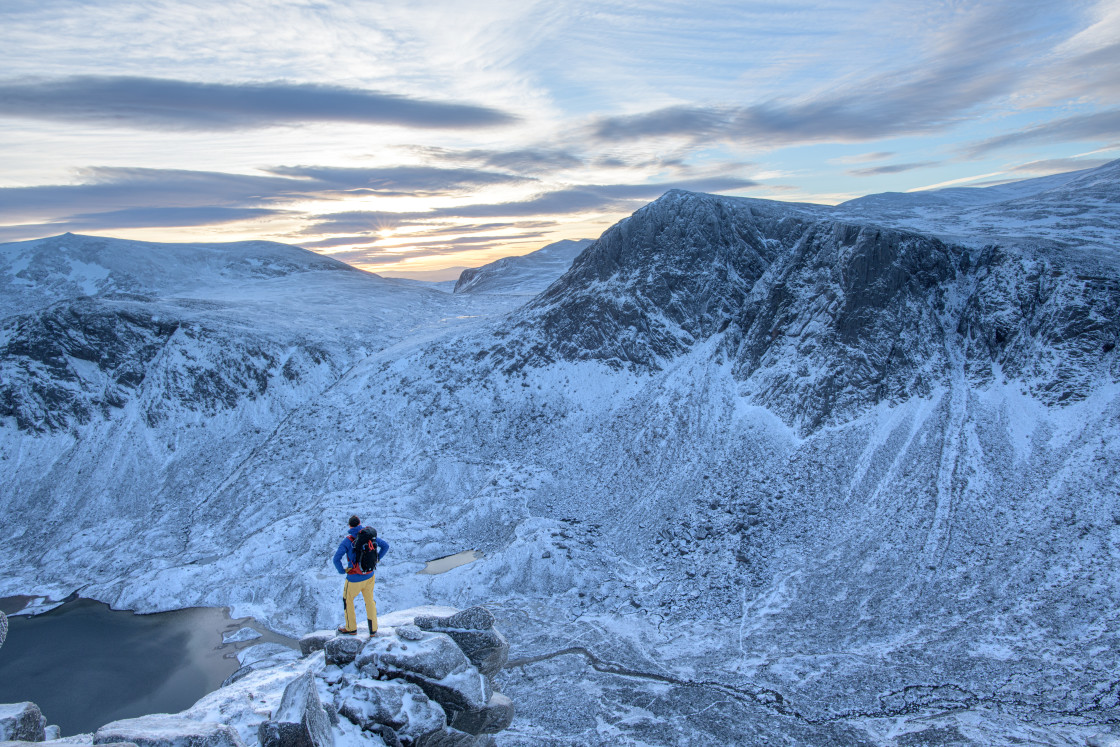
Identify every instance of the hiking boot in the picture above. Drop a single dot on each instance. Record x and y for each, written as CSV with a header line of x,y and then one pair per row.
x,y
343,631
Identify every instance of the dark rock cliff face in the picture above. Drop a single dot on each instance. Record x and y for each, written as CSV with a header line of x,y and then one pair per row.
x,y
821,319
75,360
83,360
654,284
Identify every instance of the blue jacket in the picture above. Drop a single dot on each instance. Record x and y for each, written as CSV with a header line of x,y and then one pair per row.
x,y
346,550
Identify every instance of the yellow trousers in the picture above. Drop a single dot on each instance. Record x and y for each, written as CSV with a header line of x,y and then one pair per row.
x,y
350,593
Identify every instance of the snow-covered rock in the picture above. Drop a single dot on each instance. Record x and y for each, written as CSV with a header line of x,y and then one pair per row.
x,y
434,662
342,649
240,635
300,721
166,730
21,722
315,641
526,275
473,632
3,627
399,705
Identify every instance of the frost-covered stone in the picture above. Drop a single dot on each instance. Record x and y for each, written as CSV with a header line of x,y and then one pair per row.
x,y
315,641
435,663
496,716
409,632
300,721
454,738
3,627
166,730
401,705
242,634
261,656
52,732
342,649
21,722
473,631
263,651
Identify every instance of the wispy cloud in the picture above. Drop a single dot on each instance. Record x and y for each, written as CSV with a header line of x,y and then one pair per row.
x,y
1097,126
976,60
891,168
152,217
161,103
113,189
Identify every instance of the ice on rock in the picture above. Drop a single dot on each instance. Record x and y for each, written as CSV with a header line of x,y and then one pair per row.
x,y
400,705
342,649
21,722
242,634
166,730
300,721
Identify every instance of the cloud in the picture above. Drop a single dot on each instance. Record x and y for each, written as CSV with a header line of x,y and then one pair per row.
x,y
523,160
577,199
892,168
166,104
397,180
1098,126
976,60
137,218
1059,165
119,188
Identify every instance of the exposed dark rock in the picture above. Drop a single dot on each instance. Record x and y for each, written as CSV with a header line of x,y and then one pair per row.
x,y
435,663
316,641
21,722
342,649
300,721
496,716
473,631
400,705
163,730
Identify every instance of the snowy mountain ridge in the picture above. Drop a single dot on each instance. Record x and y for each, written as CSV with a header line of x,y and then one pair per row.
x,y
747,472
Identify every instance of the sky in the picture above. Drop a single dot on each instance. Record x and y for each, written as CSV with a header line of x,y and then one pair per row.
x,y
426,135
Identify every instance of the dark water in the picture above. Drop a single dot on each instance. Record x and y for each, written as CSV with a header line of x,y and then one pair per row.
x,y
85,665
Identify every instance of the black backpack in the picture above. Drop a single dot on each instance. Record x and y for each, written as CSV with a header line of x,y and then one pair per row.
x,y
365,550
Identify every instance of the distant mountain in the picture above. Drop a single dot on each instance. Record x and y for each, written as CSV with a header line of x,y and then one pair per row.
x,y
1071,209
525,275
745,472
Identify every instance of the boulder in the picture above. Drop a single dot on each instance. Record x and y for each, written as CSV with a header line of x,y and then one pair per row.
x,y
166,730
3,627
261,656
52,732
497,715
487,649
263,651
21,722
316,641
342,649
300,721
473,630
435,663
397,704
472,618
454,738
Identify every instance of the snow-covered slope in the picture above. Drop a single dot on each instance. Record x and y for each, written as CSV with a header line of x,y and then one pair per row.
x,y
525,275
1074,209
745,473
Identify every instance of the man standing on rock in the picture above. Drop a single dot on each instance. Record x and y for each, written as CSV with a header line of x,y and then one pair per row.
x,y
362,549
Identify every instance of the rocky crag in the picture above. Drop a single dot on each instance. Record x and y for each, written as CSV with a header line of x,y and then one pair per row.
x,y
425,679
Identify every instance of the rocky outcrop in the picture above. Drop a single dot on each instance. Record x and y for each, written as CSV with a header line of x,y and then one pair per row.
x,y
301,720
21,722
166,730
3,627
473,631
